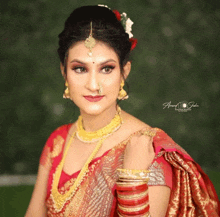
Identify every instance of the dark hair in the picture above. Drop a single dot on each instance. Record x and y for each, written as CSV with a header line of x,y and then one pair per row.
x,y
105,28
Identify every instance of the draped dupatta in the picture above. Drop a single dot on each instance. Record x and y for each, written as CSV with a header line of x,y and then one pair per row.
x,y
193,194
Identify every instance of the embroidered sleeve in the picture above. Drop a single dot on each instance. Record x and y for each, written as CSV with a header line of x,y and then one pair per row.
x,y
160,172
45,158
52,148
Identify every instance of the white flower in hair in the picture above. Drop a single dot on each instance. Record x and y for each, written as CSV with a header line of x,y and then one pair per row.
x,y
128,24
104,6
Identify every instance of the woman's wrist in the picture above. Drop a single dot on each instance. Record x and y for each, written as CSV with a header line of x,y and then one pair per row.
x,y
132,192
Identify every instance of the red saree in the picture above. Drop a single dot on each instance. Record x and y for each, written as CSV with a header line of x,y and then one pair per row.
x,y
192,192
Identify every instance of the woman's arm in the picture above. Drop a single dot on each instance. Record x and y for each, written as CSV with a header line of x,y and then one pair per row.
x,y
139,155
37,205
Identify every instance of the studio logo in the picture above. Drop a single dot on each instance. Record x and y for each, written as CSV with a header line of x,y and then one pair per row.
x,y
183,106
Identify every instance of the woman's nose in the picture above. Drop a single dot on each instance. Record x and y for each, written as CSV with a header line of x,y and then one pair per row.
x,y
92,82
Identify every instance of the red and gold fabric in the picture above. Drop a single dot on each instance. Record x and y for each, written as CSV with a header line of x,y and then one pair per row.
x,y
192,193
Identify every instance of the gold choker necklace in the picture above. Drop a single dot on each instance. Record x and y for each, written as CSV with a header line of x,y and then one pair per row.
x,y
104,132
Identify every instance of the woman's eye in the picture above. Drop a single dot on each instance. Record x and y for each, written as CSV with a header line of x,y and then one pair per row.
x,y
107,69
79,69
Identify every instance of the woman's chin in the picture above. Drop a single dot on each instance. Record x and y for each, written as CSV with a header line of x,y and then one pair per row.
x,y
92,110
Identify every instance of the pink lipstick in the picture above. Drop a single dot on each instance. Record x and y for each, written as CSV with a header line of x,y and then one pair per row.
x,y
93,98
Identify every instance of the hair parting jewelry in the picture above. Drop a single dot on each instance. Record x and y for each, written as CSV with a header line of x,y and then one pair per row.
x,y
90,41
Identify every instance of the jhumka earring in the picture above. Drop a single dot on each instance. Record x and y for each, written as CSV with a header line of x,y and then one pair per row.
x,y
66,94
122,93
100,88
90,42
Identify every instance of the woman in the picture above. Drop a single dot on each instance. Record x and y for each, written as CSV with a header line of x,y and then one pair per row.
x,y
98,165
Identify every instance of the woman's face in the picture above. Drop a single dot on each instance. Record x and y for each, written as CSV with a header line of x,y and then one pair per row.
x,y
85,73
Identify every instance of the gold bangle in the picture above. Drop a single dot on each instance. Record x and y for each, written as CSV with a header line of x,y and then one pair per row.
x,y
133,180
132,174
133,171
133,209
133,196
128,184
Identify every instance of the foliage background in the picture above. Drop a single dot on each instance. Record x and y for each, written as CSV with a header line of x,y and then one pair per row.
x,y
177,58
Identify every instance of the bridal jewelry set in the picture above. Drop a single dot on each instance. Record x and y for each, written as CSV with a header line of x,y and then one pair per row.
x,y
131,186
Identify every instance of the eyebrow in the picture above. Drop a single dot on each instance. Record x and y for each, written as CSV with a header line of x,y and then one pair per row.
x,y
102,63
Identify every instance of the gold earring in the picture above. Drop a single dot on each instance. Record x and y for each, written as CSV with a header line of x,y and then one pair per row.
x,y
66,94
100,88
122,93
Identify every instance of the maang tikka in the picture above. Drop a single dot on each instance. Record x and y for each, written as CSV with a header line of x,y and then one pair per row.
x,y
90,41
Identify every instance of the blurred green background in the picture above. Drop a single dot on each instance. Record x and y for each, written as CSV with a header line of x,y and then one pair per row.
x,y
177,59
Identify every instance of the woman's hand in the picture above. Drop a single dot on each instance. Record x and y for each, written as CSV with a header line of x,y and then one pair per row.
x,y
139,152
139,155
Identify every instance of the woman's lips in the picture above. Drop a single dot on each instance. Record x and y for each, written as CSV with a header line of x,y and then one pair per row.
x,y
93,98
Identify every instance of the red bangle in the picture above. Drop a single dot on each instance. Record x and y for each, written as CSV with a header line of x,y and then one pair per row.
x,y
143,211
132,188
134,201
125,193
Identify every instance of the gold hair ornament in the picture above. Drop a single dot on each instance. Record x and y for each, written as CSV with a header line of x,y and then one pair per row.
x,y
90,41
122,93
66,94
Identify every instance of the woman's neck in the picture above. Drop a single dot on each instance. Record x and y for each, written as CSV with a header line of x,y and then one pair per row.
x,y
95,122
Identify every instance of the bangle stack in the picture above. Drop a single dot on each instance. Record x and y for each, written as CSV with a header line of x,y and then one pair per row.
x,y
132,192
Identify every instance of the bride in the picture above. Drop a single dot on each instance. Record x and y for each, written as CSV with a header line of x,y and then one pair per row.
x,y
109,163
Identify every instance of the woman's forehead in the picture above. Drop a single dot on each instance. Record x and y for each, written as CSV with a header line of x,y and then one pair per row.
x,y
100,52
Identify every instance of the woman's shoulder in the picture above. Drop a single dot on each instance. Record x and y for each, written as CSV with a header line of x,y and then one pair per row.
x,y
132,124
63,129
161,140
60,133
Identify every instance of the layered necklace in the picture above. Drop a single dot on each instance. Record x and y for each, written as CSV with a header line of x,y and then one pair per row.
x,y
88,137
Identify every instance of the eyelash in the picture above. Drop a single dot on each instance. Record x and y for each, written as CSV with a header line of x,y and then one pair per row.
x,y
108,67
83,69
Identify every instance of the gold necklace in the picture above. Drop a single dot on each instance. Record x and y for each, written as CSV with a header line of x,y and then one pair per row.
x,y
89,137
60,199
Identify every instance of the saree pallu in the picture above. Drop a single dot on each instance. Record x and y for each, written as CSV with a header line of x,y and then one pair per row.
x,y
192,193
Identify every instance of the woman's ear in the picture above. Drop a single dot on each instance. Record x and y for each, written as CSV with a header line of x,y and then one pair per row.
x,y
127,69
62,70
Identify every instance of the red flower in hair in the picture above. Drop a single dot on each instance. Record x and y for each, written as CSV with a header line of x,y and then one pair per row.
x,y
133,43
117,14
